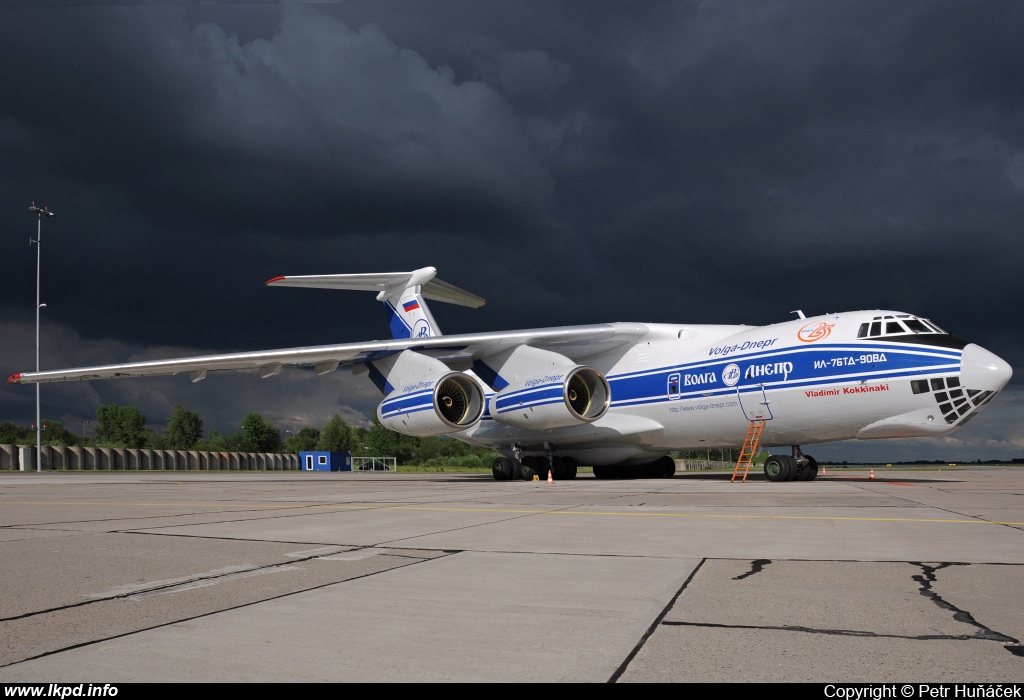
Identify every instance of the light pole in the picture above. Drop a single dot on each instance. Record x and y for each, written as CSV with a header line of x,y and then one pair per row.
x,y
39,259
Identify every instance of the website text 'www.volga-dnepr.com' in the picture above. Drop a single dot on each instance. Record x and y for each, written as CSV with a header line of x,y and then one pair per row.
x,y
61,690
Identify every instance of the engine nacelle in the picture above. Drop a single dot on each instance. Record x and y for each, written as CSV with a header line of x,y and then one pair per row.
x,y
554,400
436,405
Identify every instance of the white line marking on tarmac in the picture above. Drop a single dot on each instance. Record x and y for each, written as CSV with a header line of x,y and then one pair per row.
x,y
314,552
211,582
131,587
353,556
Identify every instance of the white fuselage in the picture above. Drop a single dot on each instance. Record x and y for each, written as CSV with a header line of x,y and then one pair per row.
x,y
812,380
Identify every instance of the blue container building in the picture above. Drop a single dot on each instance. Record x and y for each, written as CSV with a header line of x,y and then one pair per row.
x,y
326,461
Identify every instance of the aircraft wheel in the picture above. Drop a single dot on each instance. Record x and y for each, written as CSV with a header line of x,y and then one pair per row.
x,y
802,473
776,468
558,468
542,466
793,471
531,468
811,468
517,469
502,469
667,467
602,473
569,467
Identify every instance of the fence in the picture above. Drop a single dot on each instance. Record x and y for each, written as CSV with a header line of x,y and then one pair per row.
x,y
375,464
23,458
686,465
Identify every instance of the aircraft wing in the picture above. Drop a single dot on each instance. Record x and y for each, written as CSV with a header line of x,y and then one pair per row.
x,y
575,342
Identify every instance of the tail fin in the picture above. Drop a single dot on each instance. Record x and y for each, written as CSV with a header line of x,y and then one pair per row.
x,y
402,293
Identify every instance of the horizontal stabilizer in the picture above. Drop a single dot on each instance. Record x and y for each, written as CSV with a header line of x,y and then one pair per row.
x,y
386,284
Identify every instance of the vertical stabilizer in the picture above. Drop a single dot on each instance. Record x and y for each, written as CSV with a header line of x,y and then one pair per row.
x,y
408,314
402,293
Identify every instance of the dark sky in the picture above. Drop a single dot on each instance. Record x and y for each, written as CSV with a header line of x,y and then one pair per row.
x,y
704,162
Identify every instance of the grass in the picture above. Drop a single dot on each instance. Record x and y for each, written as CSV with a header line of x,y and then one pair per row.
x,y
442,469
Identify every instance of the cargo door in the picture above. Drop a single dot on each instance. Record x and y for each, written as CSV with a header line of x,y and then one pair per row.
x,y
754,403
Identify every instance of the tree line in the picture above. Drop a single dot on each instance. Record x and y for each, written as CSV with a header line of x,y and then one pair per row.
x,y
125,426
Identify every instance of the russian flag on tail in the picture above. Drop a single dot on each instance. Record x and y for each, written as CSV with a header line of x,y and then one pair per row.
x,y
410,306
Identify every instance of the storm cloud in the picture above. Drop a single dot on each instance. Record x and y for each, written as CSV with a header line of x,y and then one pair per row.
x,y
709,162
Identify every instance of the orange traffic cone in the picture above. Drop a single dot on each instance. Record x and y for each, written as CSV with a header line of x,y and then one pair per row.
x,y
872,475
824,469
550,480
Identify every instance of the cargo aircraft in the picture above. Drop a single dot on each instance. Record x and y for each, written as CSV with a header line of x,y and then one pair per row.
x,y
621,396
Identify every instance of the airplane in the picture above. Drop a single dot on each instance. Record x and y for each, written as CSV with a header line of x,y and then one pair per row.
x,y
621,396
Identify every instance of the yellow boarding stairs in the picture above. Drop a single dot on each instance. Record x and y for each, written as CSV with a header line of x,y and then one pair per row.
x,y
749,450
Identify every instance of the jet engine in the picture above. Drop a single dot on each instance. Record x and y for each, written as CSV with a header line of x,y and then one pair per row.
x,y
433,406
553,400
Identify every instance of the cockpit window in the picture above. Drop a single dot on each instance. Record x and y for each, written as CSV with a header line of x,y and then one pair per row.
x,y
897,327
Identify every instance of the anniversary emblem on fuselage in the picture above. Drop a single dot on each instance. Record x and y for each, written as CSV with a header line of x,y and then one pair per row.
x,y
815,331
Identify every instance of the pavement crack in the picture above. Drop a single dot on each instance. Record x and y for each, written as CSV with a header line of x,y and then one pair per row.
x,y
227,574
654,625
756,567
836,632
214,612
928,577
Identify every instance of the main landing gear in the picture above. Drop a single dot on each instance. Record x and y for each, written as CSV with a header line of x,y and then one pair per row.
x,y
798,467
562,468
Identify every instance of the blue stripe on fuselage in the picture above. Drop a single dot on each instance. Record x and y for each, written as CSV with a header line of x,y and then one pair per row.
x,y
783,368
846,349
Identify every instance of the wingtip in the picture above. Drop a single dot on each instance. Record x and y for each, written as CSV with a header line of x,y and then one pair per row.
x,y
14,378
275,279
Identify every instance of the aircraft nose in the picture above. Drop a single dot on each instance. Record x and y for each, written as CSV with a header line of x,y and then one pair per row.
x,y
980,369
